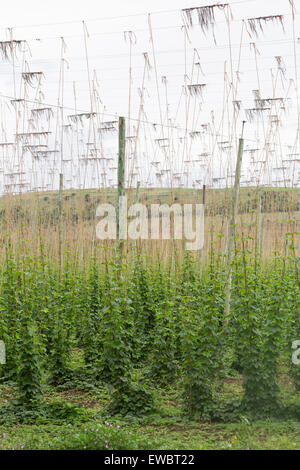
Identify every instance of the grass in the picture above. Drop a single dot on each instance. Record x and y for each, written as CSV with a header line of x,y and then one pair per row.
x,y
81,401
169,434
168,429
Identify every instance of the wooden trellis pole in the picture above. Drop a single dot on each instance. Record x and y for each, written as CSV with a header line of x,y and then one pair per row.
x,y
60,195
2,353
259,226
203,202
232,227
137,194
137,200
121,223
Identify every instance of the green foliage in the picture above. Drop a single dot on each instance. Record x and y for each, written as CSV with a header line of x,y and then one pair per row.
x,y
295,368
57,412
142,327
132,398
258,326
9,318
91,340
114,364
100,437
201,343
163,364
29,370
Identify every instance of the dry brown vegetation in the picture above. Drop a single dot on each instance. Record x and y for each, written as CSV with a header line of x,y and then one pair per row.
x,y
33,220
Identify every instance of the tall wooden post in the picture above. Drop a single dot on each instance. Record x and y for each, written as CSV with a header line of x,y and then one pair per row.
x,y
137,194
203,202
121,223
60,195
2,353
259,227
232,227
137,200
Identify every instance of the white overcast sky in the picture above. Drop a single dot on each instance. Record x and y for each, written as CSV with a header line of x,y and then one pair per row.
x,y
109,53
20,13
42,23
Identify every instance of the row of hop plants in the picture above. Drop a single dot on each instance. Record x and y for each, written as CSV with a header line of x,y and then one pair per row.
x,y
147,325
